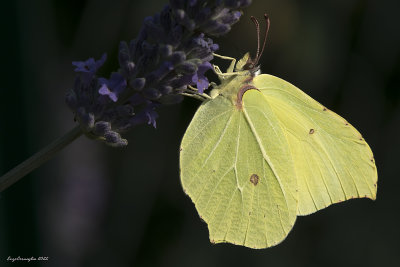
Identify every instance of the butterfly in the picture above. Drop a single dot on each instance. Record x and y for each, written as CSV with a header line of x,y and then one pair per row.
x,y
261,152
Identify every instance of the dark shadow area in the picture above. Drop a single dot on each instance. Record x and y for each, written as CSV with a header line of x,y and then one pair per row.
x,y
93,205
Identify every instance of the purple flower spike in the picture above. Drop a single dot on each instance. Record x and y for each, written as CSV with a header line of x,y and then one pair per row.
x,y
172,51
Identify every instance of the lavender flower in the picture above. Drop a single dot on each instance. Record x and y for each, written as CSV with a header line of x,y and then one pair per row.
x,y
171,52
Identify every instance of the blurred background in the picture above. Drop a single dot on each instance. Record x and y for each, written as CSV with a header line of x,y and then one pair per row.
x,y
93,205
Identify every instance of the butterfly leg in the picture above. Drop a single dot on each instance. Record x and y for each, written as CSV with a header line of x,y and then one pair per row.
x,y
192,88
233,62
193,92
222,75
202,97
217,70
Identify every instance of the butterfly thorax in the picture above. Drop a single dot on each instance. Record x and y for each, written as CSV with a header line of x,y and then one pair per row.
x,y
235,83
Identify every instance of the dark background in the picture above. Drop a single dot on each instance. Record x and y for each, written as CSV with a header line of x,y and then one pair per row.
x,y
93,205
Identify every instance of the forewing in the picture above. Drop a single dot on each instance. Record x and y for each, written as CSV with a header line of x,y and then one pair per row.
x,y
231,167
332,160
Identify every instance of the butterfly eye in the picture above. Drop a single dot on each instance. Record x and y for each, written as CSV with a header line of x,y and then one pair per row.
x,y
248,66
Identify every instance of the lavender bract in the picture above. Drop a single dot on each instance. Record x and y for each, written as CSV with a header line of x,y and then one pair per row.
x,y
171,52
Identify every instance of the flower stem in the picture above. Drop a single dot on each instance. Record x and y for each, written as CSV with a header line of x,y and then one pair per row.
x,y
38,159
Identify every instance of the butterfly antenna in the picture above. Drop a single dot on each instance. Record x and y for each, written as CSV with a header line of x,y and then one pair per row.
x,y
267,22
255,21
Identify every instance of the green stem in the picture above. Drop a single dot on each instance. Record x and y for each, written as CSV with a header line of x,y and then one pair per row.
x,y
38,159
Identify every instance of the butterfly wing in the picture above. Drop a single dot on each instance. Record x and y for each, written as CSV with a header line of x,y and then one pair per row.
x,y
232,168
332,160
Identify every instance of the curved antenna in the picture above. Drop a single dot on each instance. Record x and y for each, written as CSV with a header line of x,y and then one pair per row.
x,y
255,21
251,63
267,22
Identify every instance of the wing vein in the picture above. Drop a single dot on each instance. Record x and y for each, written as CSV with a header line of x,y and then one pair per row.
x,y
216,186
269,196
265,156
237,153
226,210
298,108
334,168
308,186
209,156
319,168
206,124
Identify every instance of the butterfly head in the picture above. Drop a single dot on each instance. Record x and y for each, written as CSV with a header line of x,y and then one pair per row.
x,y
247,62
